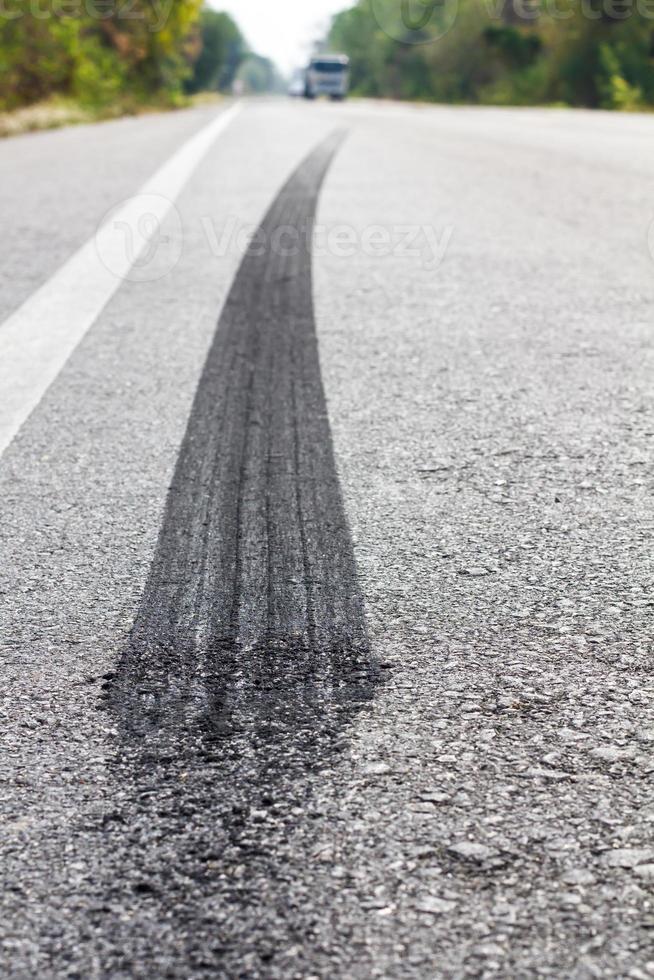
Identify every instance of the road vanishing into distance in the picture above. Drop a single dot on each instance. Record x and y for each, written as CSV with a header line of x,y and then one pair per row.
x,y
326,545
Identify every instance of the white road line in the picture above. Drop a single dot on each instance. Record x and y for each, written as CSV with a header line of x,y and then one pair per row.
x,y
39,337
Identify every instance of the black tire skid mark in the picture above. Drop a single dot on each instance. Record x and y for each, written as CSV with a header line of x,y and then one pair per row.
x,y
254,573
249,654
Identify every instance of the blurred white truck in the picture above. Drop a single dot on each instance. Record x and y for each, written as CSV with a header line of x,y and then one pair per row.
x,y
327,74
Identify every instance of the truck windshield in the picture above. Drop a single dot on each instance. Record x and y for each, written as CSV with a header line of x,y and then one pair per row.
x,y
329,67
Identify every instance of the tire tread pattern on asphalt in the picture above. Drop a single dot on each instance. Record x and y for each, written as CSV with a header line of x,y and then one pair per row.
x,y
253,583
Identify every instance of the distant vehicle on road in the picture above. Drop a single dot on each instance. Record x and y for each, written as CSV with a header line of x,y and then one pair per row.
x,y
297,84
327,74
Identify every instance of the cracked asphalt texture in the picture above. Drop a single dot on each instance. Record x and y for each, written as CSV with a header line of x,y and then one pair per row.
x,y
490,812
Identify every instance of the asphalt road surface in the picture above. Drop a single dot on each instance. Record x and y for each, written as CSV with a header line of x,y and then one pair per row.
x,y
326,560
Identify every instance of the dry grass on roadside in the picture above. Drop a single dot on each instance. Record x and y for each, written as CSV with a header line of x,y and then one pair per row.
x,y
42,115
55,113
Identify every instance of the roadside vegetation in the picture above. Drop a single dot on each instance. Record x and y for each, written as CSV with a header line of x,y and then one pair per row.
x,y
64,61
593,53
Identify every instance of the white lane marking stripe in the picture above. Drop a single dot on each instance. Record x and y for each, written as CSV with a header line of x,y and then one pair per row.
x,y
39,337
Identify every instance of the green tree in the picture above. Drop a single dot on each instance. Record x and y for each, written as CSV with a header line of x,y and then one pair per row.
x,y
220,47
258,75
93,52
503,51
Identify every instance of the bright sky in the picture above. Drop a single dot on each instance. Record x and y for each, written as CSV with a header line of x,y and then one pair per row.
x,y
282,29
